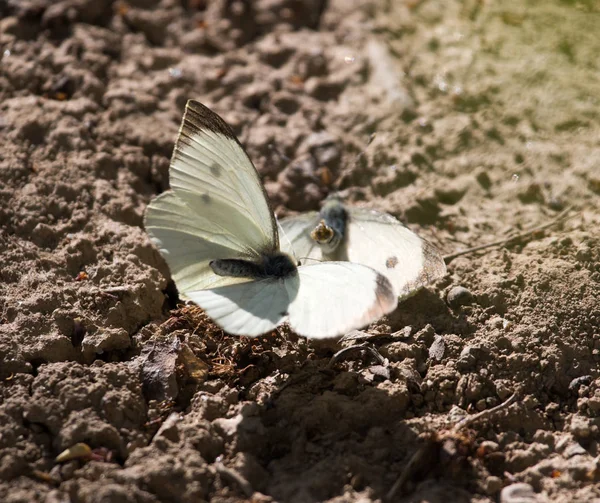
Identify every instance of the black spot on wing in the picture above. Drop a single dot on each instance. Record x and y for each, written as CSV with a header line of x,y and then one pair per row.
x,y
391,262
216,170
205,198
385,298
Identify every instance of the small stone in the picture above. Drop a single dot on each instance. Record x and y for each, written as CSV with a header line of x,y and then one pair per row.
x,y
470,355
483,178
576,383
426,335
437,349
583,253
574,449
459,296
493,485
580,428
518,493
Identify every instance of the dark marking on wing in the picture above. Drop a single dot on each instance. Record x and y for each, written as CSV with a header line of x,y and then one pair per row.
x,y
216,170
198,117
205,198
433,269
391,262
384,294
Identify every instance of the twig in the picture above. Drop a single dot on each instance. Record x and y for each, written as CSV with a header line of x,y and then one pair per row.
x,y
418,458
235,477
359,347
469,420
561,216
413,463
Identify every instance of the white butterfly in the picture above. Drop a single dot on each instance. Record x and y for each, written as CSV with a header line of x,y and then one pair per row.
x,y
366,237
219,237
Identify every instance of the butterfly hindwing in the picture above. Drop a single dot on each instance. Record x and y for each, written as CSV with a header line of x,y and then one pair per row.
x,y
249,309
295,237
336,297
188,242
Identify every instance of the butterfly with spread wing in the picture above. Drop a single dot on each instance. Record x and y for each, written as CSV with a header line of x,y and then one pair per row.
x,y
219,237
367,237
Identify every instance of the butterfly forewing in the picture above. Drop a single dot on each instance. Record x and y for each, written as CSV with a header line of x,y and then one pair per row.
x,y
383,243
208,166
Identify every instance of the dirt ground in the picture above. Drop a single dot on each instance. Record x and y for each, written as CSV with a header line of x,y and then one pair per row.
x,y
487,122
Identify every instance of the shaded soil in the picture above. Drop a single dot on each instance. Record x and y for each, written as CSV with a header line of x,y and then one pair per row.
x,y
487,119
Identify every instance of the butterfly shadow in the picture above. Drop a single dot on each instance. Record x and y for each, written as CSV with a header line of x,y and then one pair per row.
x,y
426,308
326,428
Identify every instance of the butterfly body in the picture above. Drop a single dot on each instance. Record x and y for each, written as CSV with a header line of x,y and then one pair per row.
x,y
276,265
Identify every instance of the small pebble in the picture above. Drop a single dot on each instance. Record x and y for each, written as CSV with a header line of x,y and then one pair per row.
x,y
518,493
493,485
459,296
574,449
576,383
437,349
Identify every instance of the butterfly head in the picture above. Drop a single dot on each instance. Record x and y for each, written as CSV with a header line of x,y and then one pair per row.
x,y
322,233
326,236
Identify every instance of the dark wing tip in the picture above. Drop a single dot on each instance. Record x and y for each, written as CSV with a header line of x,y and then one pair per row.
x,y
434,266
198,117
385,295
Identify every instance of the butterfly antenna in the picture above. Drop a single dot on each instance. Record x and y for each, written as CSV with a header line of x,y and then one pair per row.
x,y
311,258
363,152
275,149
287,240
